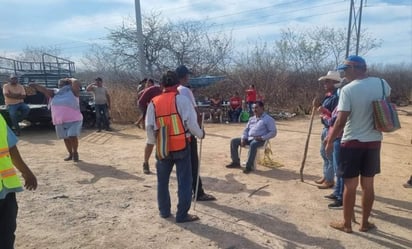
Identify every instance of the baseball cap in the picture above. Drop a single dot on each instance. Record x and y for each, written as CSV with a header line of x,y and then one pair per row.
x,y
354,61
182,71
13,75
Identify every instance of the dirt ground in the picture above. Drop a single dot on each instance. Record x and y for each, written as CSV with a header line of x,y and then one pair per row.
x,y
105,201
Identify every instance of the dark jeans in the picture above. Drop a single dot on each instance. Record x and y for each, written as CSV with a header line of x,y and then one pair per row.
x,y
194,160
8,216
253,146
102,116
249,106
18,112
234,115
184,181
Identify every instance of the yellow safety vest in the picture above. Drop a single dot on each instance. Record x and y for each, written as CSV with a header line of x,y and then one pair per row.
x,y
8,177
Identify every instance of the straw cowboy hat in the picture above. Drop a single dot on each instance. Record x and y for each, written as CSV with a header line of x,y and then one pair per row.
x,y
331,75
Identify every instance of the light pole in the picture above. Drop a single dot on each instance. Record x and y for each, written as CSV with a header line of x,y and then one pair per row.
x,y
140,39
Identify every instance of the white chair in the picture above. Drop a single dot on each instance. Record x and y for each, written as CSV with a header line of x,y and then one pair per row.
x,y
258,153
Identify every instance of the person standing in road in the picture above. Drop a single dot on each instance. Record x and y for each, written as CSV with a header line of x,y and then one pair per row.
x,y
149,93
251,96
10,184
102,103
329,102
65,111
169,116
360,143
183,73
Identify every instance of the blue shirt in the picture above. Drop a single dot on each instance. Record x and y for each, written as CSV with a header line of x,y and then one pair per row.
x,y
11,138
264,127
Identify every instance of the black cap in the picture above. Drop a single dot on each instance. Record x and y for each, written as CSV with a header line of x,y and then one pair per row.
x,y
182,71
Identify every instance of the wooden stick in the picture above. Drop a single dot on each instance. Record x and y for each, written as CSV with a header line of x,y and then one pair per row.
x,y
200,159
308,138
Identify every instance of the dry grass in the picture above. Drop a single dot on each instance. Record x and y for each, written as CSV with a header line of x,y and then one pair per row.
x,y
123,99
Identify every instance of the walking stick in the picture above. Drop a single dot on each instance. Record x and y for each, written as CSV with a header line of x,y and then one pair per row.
x,y
308,138
200,160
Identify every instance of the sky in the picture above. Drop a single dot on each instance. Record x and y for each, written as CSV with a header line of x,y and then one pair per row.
x,y
73,26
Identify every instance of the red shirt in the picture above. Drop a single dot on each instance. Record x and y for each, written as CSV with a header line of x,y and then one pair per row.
x,y
235,102
148,94
251,95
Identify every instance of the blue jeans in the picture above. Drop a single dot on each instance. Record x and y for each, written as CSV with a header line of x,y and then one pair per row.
x,y
338,190
249,106
234,115
253,146
328,172
17,113
102,116
184,181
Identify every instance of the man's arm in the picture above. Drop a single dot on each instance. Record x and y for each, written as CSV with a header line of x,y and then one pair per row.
x,y
90,87
29,178
11,95
271,126
47,92
337,129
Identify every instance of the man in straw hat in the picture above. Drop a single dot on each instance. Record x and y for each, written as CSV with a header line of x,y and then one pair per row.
x,y
329,102
361,142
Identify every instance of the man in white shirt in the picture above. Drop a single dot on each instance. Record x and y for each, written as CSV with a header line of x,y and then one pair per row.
x,y
183,76
361,142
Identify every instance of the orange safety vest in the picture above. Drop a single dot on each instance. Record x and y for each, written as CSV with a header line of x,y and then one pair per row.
x,y
8,177
166,115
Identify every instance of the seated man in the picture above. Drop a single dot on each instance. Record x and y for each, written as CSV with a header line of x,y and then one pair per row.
x,y
235,107
260,128
14,94
215,108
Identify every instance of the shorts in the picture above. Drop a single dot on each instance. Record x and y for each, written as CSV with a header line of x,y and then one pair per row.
x,y
70,129
359,158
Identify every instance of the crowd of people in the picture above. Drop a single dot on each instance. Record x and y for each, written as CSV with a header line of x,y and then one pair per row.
x,y
350,146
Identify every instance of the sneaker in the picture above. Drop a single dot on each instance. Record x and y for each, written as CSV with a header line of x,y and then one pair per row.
x,y
336,205
233,165
146,169
331,196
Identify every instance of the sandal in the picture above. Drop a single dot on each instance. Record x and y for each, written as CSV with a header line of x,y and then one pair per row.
x,y
206,197
340,226
369,226
188,218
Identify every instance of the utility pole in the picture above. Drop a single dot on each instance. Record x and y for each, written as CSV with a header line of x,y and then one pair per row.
x,y
354,25
140,39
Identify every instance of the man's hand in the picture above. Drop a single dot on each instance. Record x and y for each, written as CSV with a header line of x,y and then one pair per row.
x,y
258,138
328,147
242,143
30,181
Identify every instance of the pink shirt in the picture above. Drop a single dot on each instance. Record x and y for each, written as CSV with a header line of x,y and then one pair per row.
x,y
65,114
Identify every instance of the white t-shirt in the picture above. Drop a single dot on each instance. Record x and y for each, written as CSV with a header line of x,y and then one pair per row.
x,y
186,112
188,93
356,98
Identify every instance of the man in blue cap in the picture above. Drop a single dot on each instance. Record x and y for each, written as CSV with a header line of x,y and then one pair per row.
x,y
183,73
361,142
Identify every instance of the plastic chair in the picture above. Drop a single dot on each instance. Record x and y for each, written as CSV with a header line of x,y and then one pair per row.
x,y
258,153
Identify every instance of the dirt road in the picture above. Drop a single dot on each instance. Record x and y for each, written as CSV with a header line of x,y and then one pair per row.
x,y
105,201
